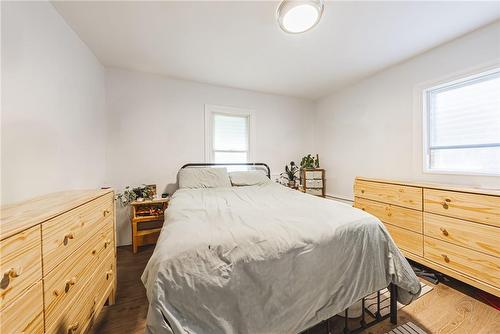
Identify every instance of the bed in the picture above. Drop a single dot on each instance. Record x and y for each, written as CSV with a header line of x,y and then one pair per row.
x,y
266,259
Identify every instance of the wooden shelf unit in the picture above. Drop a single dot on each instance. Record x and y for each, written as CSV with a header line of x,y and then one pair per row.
x,y
313,181
151,212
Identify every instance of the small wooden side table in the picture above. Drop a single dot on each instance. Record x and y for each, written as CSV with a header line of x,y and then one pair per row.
x,y
146,220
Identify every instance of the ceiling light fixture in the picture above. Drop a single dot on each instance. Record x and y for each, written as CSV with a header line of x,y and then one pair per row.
x,y
296,16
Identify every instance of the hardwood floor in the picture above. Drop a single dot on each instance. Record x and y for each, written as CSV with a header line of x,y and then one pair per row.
x,y
449,308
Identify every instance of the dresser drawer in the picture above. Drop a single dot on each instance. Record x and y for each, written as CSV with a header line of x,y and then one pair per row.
x,y
406,196
21,264
314,183
64,234
25,313
407,240
480,237
63,283
394,215
77,317
97,293
474,207
310,175
477,265
316,192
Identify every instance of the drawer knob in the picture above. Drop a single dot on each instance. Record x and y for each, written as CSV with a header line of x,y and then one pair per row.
x,y
11,273
109,273
72,328
69,284
67,237
444,231
106,212
445,205
446,258
7,277
106,243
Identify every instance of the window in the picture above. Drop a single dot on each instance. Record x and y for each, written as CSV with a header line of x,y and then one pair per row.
x,y
227,134
462,125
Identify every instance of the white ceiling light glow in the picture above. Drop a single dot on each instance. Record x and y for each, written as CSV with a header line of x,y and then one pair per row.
x,y
296,16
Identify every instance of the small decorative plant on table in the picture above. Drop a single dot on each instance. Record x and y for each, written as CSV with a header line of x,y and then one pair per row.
x,y
144,192
309,162
290,174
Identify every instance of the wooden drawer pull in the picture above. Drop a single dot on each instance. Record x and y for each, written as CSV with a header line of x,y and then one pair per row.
x,y
68,237
7,277
106,243
109,273
445,203
73,327
106,213
69,284
444,231
11,273
446,258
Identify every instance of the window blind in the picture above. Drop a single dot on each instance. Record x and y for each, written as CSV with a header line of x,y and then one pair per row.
x,y
464,125
230,138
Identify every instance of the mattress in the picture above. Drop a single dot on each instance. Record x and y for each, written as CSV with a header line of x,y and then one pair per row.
x,y
265,259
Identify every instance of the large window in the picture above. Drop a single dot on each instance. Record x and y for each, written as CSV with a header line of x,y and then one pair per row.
x,y
227,134
462,125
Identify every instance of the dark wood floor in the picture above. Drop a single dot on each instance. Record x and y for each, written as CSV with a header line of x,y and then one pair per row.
x,y
449,308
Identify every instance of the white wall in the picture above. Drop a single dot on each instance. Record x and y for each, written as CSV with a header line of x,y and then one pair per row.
x,y
156,124
373,128
53,105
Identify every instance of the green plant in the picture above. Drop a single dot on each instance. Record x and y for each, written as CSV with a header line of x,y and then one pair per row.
x,y
131,194
309,162
290,172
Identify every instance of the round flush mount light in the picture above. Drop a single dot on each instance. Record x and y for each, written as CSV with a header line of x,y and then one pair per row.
x,y
295,16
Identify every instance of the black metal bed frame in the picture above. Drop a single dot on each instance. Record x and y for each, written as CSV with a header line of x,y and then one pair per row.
x,y
211,164
392,315
393,292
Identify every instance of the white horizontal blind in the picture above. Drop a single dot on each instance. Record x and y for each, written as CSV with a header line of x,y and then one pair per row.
x,y
464,125
230,138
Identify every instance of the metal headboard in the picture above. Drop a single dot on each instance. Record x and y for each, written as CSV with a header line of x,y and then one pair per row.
x,y
209,164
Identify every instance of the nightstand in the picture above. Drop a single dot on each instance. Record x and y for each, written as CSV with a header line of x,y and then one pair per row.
x,y
146,220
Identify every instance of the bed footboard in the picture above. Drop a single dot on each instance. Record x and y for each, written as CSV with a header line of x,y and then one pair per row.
x,y
363,324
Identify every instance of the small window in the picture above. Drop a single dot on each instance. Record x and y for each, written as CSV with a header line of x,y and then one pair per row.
x,y
227,134
462,128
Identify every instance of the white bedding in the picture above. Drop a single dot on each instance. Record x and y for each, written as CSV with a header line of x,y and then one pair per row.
x,y
265,259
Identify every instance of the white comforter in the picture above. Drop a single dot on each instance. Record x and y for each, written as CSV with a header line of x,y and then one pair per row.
x,y
265,259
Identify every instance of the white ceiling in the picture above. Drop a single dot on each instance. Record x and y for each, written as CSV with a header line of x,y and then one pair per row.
x,y
239,44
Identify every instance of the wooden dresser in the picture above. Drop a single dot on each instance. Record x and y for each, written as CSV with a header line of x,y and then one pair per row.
x,y
451,229
58,262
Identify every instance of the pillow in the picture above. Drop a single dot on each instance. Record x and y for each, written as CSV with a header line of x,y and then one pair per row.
x,y
248,178
204,178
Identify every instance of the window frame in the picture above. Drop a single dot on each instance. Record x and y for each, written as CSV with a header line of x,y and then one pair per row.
x,y
210,111
458,81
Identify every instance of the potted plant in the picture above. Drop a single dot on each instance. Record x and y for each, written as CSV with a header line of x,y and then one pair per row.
x,y
290,174
129,194
309,162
